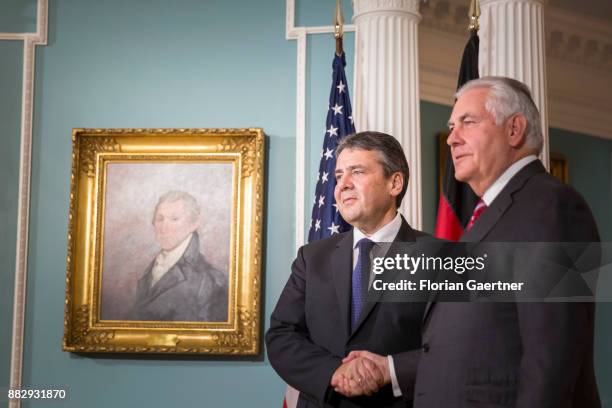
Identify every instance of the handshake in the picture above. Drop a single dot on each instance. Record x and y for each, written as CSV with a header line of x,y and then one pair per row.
x,y
361,373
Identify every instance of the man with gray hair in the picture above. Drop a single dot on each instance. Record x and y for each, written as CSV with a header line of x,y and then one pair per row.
x,y
179,285
520,354
524,355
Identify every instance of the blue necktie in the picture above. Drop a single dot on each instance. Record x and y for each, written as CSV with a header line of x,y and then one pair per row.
x,y
361,277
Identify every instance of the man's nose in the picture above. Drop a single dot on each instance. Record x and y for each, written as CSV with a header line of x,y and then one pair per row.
x,y
453,138
344,182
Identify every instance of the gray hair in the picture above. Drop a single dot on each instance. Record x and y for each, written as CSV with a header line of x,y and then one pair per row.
x,y
392,158
507,97
191,204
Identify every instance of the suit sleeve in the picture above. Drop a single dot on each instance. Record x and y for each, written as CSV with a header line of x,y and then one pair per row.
x,y
557,337
405,365
300,362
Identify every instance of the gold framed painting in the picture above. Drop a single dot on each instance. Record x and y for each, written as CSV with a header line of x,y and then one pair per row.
x,y
559,167
164,241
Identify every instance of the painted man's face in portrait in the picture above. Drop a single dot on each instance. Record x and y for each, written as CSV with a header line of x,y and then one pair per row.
x,y
173,224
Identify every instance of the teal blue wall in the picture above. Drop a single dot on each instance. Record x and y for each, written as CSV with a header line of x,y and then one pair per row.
x,y
18,16
155,64
320,13
191,63
10,119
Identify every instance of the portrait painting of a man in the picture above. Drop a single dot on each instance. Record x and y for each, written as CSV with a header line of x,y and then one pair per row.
x,y
179,284
166,242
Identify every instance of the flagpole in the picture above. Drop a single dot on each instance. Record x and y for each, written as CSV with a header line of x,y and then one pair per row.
x,y
338,28
474,15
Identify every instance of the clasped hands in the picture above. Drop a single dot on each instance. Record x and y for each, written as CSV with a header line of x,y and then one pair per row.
x,y
361,373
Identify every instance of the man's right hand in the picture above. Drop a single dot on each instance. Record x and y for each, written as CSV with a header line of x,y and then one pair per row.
x,y
381,362
359,376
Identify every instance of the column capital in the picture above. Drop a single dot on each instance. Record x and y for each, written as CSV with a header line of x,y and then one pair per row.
x,y
362,7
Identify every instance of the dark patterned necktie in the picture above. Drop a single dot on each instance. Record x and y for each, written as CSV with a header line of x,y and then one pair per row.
x,y
361,277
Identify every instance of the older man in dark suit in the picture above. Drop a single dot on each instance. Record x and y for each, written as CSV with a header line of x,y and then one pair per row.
x,y
323,314
179,285
525,355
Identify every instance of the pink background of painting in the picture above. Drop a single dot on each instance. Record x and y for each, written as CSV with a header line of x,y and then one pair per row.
x,y
132,190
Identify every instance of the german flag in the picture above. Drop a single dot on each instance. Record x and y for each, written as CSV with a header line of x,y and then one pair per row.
x,y
457,200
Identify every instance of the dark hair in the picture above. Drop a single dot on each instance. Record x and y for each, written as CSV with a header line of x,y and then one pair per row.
x,y
392,158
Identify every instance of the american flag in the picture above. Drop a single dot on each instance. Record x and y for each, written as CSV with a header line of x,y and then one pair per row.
x,y
326,220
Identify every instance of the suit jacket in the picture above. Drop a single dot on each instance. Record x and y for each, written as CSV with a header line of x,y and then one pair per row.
x,y
310,327
191,290
515,354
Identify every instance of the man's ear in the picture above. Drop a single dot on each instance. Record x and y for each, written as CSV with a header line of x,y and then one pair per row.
x,y
517,130
397,183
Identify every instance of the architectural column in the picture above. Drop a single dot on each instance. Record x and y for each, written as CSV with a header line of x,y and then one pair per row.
x,y
512,44
387,82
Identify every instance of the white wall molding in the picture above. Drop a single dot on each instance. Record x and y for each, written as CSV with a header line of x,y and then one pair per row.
x,y
301,35
30,41
578,54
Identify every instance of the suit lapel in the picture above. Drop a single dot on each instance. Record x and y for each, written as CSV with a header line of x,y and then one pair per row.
x,y
342,259
501,203
405,234
173,277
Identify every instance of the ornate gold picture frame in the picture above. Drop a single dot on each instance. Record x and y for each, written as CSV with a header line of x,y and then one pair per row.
x,y
164,241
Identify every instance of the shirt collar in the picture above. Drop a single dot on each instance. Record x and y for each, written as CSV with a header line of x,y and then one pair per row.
x,y
499,184
385,234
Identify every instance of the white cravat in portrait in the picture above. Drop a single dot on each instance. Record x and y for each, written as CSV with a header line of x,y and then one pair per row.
x,y
166,260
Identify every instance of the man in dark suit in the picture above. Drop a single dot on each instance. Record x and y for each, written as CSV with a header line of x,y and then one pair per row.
x,y
322,313
179,285
526,355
